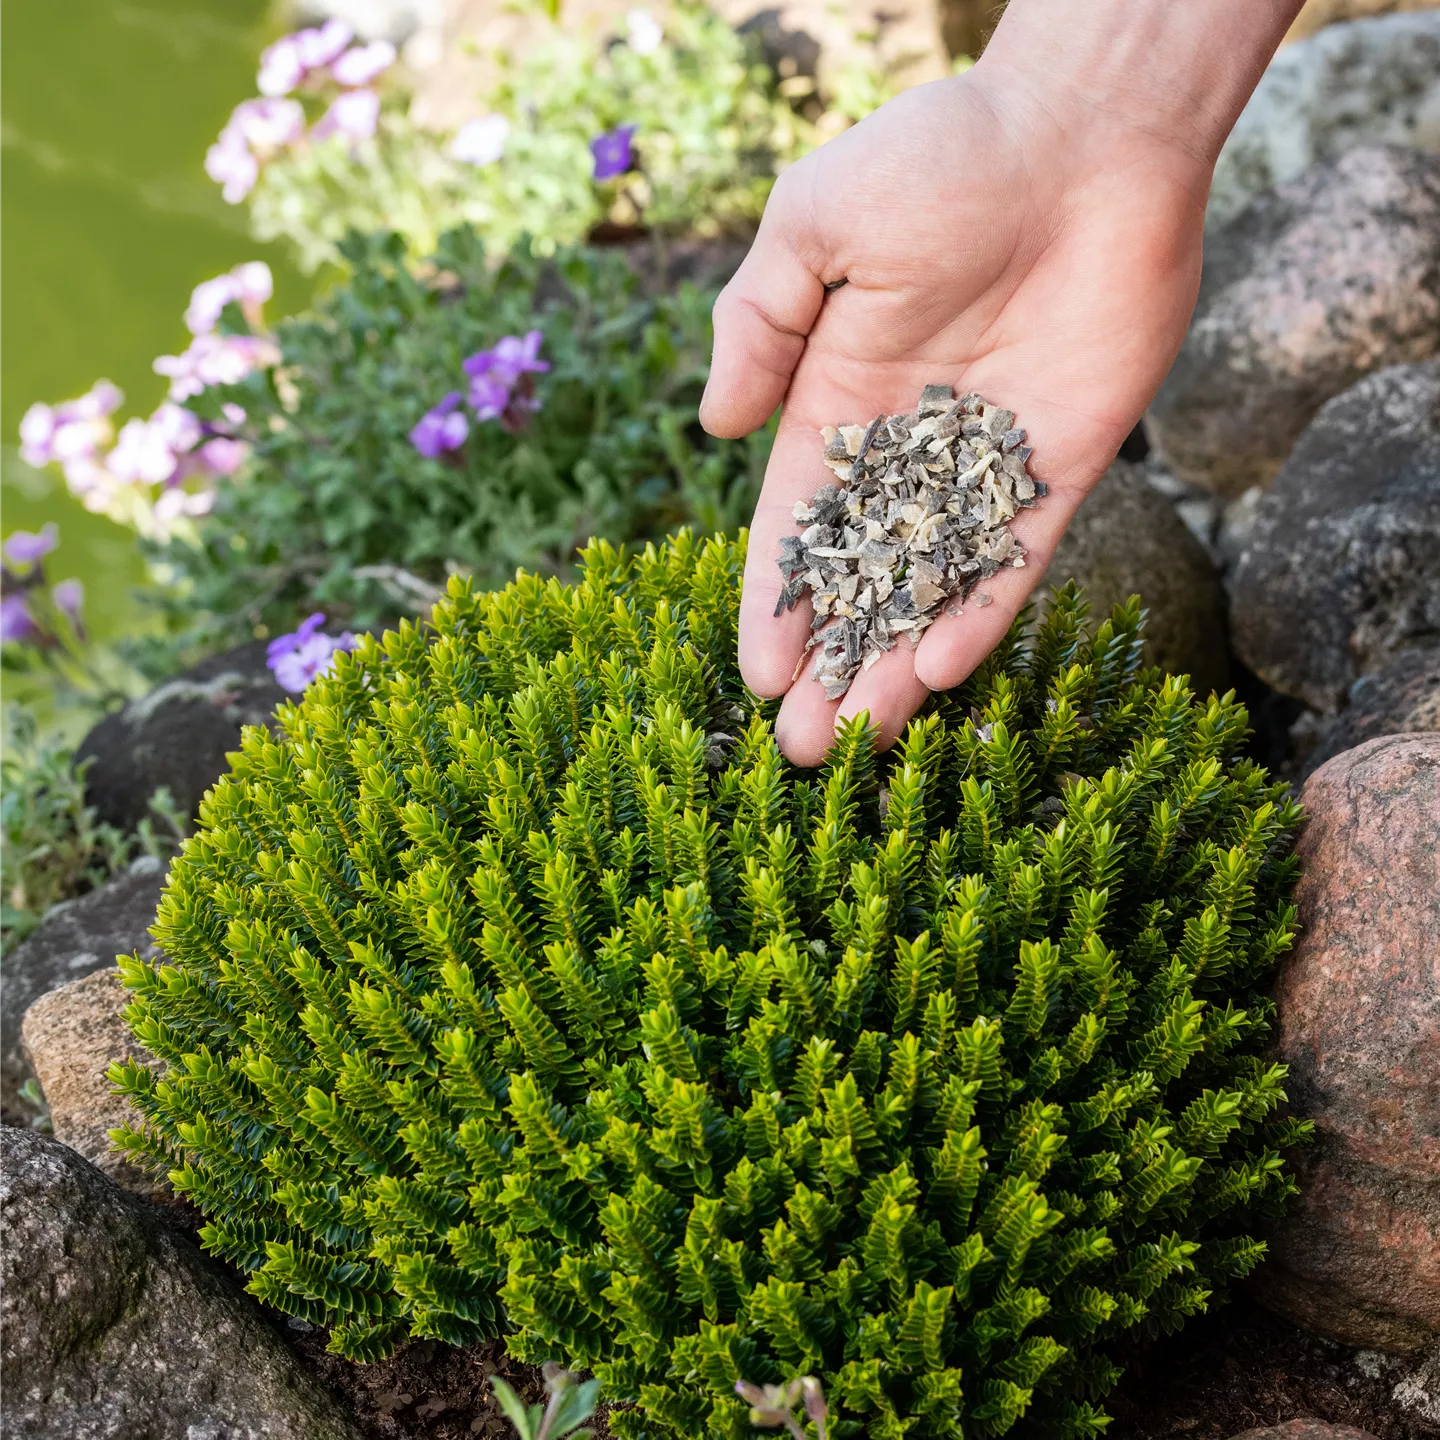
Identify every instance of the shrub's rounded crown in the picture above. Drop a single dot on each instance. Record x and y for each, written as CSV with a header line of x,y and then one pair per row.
x,y
517,983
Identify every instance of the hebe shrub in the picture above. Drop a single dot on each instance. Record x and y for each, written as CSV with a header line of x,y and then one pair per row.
x,y
518,984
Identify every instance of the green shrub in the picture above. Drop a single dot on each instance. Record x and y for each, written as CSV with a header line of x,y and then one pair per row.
x,y
336,508
518,984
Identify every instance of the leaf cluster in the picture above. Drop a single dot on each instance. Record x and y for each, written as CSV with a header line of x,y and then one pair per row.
x,y
518,984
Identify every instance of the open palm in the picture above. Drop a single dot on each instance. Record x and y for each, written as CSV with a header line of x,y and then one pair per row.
x,y
986,242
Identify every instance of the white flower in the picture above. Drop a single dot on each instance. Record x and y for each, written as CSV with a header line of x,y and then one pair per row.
x,y
481,141
643,32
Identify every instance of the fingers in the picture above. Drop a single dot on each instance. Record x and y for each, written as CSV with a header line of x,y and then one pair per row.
x,y
761,320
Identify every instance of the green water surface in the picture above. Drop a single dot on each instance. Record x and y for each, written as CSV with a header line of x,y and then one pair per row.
x,y
108,222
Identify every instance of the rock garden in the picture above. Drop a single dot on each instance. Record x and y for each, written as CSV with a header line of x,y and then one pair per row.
x,y
432,1005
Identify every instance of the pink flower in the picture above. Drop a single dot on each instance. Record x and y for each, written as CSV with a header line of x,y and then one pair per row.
x,y
364,63
281,68
73,430
481,141
268,124
222,455
354,115
296,659
318,47
229,163
26,547
214,360
249,285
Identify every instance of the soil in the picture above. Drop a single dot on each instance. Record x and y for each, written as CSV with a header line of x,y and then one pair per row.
x,y
1231,1371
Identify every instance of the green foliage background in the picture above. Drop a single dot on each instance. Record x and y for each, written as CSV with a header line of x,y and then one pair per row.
x,y
518,983
335,487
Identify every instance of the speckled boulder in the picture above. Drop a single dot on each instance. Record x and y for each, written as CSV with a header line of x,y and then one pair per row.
x,y
1359,82
1305,1430
73,940
117,1328
1341,566
1317,283
1126,539
71,1037
1357,1256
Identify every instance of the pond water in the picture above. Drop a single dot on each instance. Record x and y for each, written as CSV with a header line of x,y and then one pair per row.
x,y
109,221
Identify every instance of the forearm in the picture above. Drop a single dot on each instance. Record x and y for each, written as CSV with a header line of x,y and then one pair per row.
x,y
1178,70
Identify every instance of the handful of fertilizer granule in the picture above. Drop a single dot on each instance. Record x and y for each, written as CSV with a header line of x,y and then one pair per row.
x,y
919,516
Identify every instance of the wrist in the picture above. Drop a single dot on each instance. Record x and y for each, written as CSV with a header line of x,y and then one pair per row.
x,y
1172,74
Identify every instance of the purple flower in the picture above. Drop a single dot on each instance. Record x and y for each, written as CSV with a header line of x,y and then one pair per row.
x,y
319,46
296,659
15,622
364,63
613,153
69,598
354,115
489,396
441,429
500,384
481,141
281,68
214,360
25,547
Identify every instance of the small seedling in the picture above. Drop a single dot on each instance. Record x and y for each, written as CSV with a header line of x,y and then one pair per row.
x,y
772,1406
569,1403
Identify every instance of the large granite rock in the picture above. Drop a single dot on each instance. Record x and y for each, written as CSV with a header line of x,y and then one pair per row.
x,y
117,1328
1400,699
1342,565
1357,1255
71,1036
1373,81
1126,539
73,940
177,736
1314,285
1305,1430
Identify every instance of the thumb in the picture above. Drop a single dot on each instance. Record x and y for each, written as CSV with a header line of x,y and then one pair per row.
x,y
762,318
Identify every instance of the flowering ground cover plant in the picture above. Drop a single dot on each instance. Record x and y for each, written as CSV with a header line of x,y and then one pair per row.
x,y
479,419
517,984
673,123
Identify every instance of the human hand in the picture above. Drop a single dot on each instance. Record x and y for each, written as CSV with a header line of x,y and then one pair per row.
x,y
1041,248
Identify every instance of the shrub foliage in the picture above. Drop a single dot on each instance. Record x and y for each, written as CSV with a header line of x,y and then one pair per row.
x,y
518,983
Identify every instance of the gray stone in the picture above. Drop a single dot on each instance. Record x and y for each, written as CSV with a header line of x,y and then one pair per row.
x,y
115,1327
1126,539
71,1036
1314,285
1342,568
1372,81
1400,699
76,938
177,736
